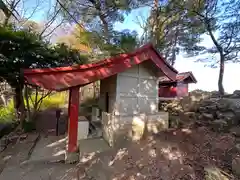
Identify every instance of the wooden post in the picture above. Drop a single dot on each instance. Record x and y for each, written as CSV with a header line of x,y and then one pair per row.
x,y
73,119
58,114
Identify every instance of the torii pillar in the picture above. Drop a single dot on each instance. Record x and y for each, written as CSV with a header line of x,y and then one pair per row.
x,y
73,107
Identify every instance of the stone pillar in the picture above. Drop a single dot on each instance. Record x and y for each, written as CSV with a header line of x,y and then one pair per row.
x,y
95,114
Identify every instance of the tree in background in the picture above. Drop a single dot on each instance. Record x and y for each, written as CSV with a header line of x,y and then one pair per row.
x,y
168,28
175,26
172,26
21,12
220,19
120,42
75,39
98,18
126,40
21,49
23,46
94,42
8,10
4,7
96,14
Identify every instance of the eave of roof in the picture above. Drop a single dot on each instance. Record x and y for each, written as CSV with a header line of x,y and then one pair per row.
x,y
179,78
62,78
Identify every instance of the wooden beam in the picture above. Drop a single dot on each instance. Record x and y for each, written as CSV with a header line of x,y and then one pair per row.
x,y
73,119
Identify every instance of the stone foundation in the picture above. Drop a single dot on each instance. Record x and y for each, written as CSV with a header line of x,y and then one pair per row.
x,y
71,157
118,128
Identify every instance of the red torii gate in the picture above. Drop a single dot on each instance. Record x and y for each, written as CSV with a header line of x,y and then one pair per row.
x,y
72,78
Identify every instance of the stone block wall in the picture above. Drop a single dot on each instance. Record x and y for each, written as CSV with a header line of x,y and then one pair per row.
x,y
220,113
209,109
120,128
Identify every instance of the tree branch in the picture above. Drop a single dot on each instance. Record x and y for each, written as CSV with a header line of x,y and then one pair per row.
x,y
44,95
53,29
62,6
231,38
12,9
50,22
208,27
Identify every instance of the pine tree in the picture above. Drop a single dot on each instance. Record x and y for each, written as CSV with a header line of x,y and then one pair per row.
x,y
220,19
168,28
98,18
96,14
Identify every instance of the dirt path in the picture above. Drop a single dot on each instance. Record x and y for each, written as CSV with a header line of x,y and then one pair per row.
x,y
171,155
41,165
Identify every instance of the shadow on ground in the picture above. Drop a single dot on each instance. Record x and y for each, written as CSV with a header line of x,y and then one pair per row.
x,y
45,162
178,154
169,155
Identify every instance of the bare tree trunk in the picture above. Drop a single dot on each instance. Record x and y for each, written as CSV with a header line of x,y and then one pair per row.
x,y
10,13
222,58
220,77
26,94
102,17
154,22
19,104
105,26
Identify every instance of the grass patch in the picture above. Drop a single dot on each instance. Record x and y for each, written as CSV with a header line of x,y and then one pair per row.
x,y
7,113
54,100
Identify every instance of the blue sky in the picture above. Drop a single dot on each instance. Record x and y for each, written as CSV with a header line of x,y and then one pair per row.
x,y
207,77
132,20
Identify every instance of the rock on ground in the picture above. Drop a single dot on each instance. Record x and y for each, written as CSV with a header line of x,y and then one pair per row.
x,y
213,173
236,165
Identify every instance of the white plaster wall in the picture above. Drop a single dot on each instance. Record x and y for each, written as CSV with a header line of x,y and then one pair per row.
x,y
137,91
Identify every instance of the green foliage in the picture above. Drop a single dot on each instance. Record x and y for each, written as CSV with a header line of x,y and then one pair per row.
x,y
16,53
7,113
90,12
65,56
56,100
175,26
98,17
126,41
171,28
221,20
22,49
119,42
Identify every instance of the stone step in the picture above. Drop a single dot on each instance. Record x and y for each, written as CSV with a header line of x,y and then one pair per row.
x,y
96,134
95,130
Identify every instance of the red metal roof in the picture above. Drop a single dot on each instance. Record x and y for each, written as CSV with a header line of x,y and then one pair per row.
x,y
180,77
62,78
